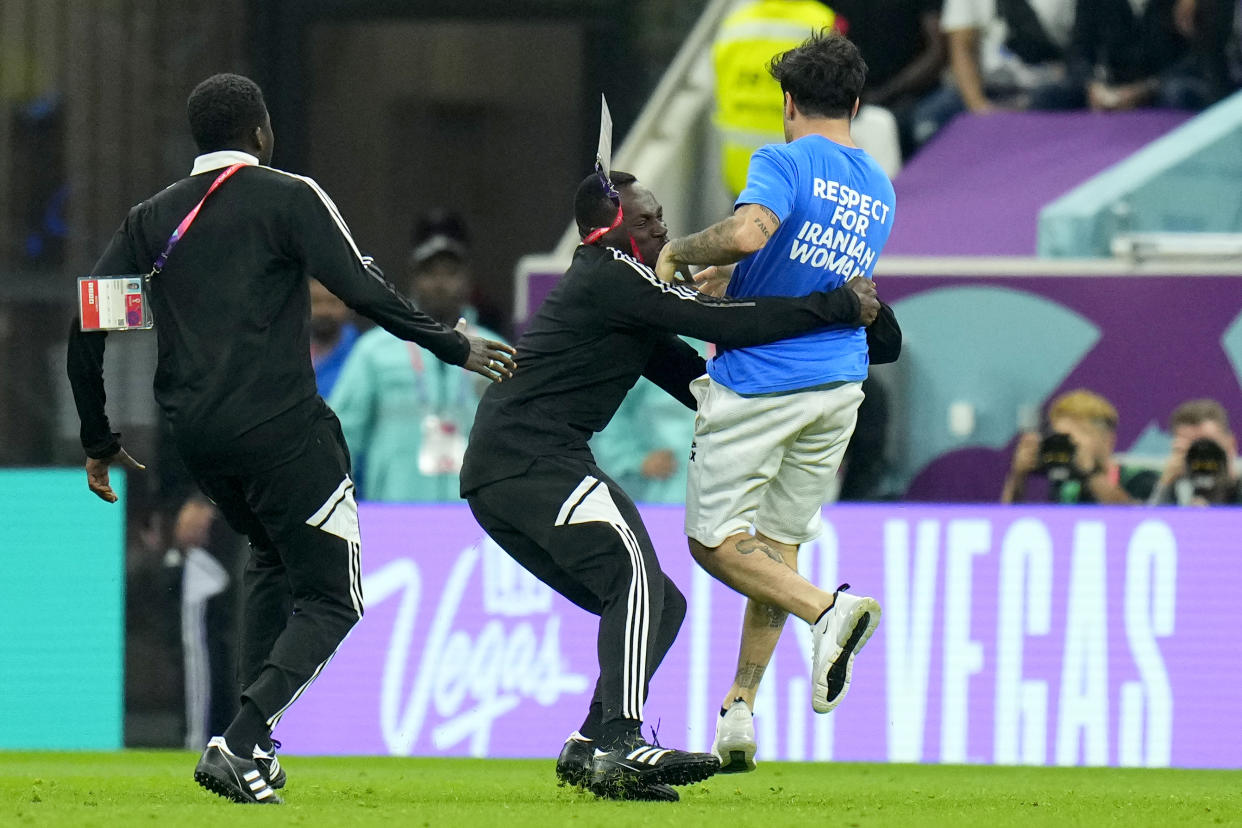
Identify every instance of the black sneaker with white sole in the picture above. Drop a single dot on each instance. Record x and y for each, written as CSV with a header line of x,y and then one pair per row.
x,y
222,772
632,765
573,767
269,765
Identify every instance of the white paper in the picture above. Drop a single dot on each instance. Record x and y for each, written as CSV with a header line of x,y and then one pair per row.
x,y
111,304
604,154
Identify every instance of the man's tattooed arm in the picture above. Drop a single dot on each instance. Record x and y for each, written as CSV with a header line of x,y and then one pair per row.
x,y
715,245
764,219
729,240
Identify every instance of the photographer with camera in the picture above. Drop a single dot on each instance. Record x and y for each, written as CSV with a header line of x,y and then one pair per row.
x,y
1075,455
1202,465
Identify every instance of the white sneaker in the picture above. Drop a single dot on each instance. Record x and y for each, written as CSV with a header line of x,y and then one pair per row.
x,y
835,639
735,739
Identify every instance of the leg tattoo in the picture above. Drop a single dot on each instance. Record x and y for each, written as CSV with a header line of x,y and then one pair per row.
x,y
749,545
776,616
748,675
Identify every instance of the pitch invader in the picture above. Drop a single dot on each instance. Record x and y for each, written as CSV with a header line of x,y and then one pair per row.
x,y
774,420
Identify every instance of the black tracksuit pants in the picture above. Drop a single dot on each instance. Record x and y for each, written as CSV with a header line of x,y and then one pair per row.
x,y
578,532
303,587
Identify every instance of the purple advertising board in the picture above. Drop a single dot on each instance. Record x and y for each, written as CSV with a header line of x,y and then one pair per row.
x,y
1043,635
976,189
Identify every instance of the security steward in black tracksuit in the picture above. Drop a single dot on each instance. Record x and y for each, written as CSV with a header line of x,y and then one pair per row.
x,y
235,384
533,485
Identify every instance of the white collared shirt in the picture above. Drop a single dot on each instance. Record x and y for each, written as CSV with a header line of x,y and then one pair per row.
x,y
220,159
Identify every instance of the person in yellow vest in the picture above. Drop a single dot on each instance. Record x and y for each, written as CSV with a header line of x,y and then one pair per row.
x,y
748,111
746,115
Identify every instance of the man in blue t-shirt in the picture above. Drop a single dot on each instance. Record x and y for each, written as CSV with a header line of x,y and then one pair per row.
x,y
774,421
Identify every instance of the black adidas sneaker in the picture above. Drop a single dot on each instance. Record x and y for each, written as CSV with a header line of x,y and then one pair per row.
x,y
632,765
573,767
223,772
269,765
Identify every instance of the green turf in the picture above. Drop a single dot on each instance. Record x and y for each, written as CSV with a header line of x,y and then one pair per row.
x,y
156,788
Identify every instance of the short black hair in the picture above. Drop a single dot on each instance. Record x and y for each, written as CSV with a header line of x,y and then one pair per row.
x,y
222,109
824,76
592,206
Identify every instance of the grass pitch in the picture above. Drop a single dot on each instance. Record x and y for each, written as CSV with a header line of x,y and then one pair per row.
x,y
157,789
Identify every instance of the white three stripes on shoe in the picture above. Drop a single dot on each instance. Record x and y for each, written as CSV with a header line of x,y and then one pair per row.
x,y
257,784
591,502
647,755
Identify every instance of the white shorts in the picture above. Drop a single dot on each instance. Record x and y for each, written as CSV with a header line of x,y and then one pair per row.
x,y
767,462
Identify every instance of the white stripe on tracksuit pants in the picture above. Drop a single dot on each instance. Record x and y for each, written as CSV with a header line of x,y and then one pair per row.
x,y
303,585
338,516
591,503
591,547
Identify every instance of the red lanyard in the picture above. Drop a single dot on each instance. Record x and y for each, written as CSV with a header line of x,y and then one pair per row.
x,y
162,259
598,232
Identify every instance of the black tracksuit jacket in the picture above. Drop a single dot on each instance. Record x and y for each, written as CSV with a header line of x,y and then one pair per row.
x,y
232,315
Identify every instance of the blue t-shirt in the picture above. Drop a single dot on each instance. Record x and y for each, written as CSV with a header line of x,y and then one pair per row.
x,y
836,209
328,366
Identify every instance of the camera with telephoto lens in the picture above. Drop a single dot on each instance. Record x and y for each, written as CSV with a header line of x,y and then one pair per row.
x,y
1056,457
1207,467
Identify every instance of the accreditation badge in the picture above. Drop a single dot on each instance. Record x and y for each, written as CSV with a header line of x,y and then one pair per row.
x,y
443,447
114,303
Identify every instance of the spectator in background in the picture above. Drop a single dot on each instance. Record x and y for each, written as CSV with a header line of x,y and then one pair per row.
x,y
1129,53
646,445
1233,47
406,418
333,335
748,111
203,561
1202,466
1076,456
904,49
205,552
1213,28
1002,54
